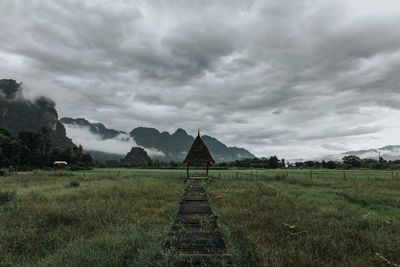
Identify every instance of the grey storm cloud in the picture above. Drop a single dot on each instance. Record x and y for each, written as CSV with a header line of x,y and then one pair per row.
x,y
277,77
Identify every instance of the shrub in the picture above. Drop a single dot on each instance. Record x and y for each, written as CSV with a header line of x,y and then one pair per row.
x,y
79,168
6,196
62,174
74,184
56,218
279,177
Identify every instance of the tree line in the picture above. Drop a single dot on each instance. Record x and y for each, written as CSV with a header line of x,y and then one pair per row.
x,y
273,162
347,162
33,149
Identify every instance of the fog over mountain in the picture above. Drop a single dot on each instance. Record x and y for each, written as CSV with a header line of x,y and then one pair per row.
x,y
120,144
158,145
96,128
387,153
295,78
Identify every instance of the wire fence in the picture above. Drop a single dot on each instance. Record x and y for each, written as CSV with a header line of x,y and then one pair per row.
x,y
344,175
133,174
309,174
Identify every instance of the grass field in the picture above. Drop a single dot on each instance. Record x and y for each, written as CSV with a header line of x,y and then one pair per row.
x,y
120,217
243,174
292,221
101,222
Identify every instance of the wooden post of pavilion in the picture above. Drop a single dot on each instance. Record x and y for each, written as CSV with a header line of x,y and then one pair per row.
x,y
198,153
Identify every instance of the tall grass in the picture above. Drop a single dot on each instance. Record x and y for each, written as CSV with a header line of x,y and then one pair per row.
x,y
269,217
293,222
249,174
105,222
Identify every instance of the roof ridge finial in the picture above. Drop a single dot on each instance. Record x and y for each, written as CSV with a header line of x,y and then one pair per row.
x,y
198,133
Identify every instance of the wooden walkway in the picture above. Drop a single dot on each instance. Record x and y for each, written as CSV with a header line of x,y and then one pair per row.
x,y
195,238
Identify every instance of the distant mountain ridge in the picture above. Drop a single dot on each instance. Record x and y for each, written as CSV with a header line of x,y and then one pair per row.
x,y
95,128
176,145
173,146
391,152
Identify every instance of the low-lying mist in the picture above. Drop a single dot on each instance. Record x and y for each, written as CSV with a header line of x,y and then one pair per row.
x,y
121,144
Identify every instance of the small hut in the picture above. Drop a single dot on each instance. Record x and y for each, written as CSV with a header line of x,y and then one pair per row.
x,y
198,153
59,163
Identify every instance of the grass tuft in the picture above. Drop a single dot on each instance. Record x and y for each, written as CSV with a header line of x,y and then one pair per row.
x,y
74,184
6,196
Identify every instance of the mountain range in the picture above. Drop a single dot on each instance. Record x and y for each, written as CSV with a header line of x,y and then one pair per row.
x,y
18,114
387,152
171,146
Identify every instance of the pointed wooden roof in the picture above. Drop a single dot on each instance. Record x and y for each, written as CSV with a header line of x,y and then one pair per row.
x,y
198,153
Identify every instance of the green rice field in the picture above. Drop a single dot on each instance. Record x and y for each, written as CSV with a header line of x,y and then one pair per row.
x,y
122,217
116,221
294,220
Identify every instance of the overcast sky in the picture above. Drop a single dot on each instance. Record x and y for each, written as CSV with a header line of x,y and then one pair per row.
x,y
295,78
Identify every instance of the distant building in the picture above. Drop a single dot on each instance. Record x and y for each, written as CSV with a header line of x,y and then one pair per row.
x,y
60,163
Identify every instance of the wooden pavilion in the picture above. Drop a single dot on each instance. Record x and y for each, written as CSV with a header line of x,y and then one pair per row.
x,y
198,153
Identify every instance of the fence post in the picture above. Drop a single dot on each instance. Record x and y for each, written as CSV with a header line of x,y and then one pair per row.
x,y
310,174
236,175
344,176
392,174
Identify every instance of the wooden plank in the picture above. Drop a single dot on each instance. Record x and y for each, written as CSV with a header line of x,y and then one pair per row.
x,y
195,235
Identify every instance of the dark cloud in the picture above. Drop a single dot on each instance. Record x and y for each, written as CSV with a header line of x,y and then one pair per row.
x,y
289,77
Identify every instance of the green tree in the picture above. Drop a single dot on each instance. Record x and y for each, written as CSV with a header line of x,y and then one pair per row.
x,y
87,159
351,161
45,133
282,163
273,162
67,155
5,139
331,164
30,148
